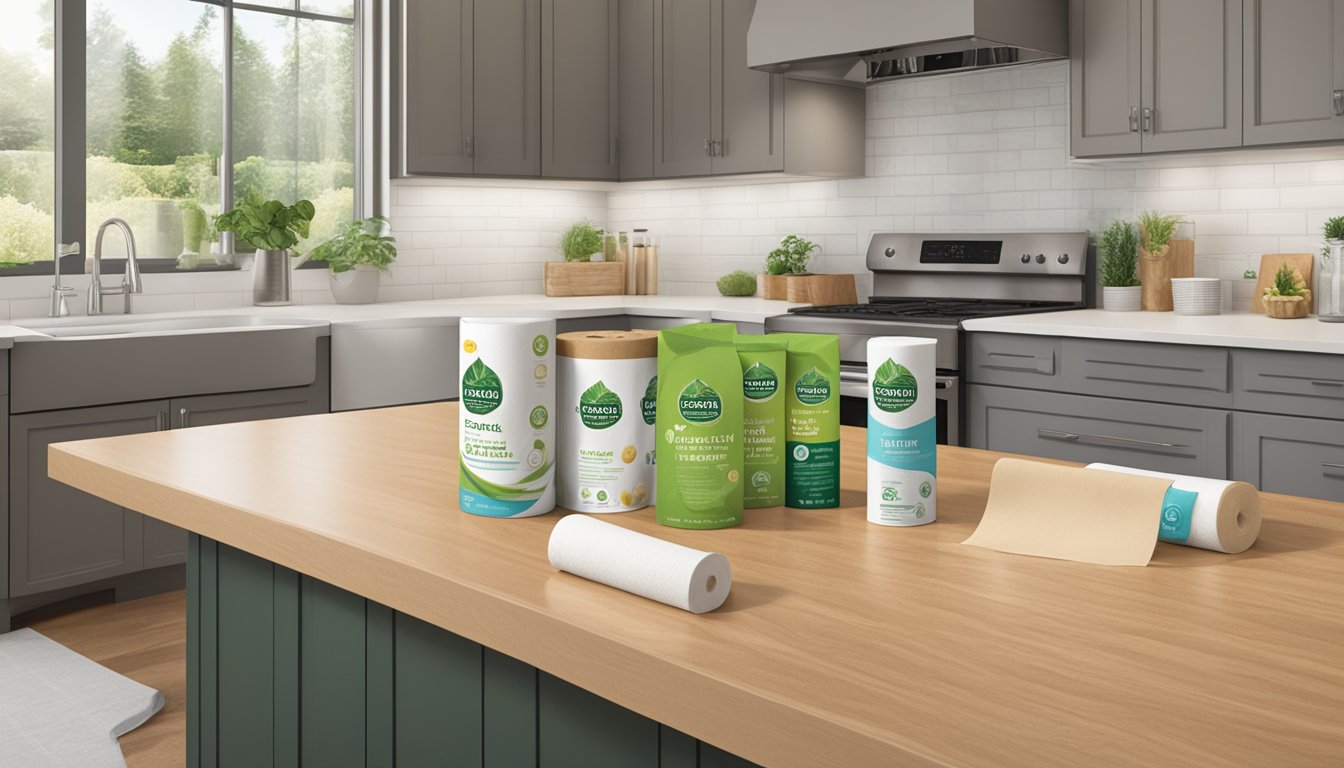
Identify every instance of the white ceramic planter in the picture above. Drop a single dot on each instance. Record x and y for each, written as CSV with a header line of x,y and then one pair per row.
x,y
1126,299
355,286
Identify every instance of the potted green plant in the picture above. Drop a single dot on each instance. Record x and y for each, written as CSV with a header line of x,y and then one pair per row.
x,y
356,259
194,228
787,260
578,274
1330,274
737,283
1118,245
1155,260
273,228
1287,297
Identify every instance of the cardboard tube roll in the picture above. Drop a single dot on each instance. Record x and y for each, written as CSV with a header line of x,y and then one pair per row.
x,y
1226,515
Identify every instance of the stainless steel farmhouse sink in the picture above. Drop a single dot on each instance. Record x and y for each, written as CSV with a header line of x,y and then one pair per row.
x,y
75,362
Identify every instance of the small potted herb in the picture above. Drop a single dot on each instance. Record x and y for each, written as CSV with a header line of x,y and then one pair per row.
x,y
1156,231
1330,275
273,228
738,283
357,258
788,260
1119,248
1287,297
578,274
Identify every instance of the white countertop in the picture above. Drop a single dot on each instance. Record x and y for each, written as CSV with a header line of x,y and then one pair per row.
x,y
1239,329
447,311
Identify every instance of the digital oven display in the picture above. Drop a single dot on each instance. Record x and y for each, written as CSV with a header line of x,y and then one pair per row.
x,y
960,251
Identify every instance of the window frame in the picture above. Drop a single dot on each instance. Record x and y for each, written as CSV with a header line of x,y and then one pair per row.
x,y
70,22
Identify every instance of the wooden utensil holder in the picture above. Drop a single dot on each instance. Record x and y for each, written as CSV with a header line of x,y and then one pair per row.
x,y
585,278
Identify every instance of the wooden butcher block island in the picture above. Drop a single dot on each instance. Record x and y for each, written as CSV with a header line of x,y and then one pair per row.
x,y
343,611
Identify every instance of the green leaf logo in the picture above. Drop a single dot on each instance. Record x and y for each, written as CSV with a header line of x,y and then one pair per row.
x,y
699,403
760,383
894,387
599,407
482,391
812,388
649,404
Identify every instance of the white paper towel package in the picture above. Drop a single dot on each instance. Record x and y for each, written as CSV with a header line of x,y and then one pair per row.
x,y
506,425
1225,516
679,576
902,431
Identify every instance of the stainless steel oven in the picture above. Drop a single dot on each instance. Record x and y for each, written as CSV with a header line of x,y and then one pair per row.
x,y
924,285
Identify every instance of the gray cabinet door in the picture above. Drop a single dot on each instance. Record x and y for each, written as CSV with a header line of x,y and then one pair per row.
x,y
61,537
747,105
1138,370
167,544
1192,74
506,64
1293,70
436,94
636,85
682,87
1282,454
579,88
1104,74
1168,438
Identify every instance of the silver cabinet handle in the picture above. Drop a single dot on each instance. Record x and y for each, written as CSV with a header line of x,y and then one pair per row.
x,y
1121,442
1133,119
471,146
1339,102
1038,363
1148,114
1327,383
709,147
721,147
184,416
1331,465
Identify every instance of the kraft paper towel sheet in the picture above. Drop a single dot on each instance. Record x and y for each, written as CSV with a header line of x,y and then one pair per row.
x,y
1226,514
1070,513
650,567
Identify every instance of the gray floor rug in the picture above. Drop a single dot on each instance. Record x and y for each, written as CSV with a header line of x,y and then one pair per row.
x,y
57,708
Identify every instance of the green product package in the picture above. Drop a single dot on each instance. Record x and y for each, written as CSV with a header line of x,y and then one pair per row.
x,y
812,424
763,361
699,425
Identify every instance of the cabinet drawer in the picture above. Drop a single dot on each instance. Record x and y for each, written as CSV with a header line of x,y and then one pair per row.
x,y
1166,373
1294,383
1280,454
1014,360
1169,438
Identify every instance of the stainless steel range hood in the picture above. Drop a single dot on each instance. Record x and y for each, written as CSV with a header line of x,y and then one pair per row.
x,y
859,42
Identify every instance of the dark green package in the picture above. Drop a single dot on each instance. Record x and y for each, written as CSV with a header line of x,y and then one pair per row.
x,y
763,361
812,425
699,425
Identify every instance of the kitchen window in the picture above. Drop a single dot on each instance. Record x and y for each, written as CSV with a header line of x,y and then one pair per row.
x,y
172,110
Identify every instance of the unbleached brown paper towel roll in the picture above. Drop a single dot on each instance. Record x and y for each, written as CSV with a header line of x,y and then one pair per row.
x,y
1071,513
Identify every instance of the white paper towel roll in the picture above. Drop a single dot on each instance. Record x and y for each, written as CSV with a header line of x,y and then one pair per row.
x,y
1226,514
679,576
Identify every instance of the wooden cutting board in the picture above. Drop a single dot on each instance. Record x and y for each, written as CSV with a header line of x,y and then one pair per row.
x,y
1269,265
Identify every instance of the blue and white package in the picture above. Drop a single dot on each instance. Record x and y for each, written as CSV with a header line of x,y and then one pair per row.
x,y
902,431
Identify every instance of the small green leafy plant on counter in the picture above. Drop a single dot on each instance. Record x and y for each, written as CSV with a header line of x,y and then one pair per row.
x,y
738,283
1288,284
268,225
1119,246
1157,229
580,241
791,257
361,242
1334,232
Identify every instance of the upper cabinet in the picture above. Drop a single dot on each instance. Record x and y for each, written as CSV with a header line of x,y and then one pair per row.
x,y
1171,75
470,96
1294,70
1155,75
605,90
579,88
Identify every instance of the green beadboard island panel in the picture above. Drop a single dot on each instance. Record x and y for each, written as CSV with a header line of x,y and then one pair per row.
x,y
285,670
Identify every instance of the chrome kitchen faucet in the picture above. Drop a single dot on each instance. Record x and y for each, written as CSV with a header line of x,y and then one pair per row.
x,y
130,281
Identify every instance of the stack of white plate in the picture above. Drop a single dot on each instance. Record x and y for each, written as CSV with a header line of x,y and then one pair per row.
x,y
1197,295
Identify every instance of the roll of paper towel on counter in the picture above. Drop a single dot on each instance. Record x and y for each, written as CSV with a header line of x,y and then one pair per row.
x,y
679,576
1225,516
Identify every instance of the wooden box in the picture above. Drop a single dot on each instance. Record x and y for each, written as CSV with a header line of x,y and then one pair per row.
x,y
585,278
821,290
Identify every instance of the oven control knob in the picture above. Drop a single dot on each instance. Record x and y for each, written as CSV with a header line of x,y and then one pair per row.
x,y
890,252
1063,258
1040,258
1026,258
